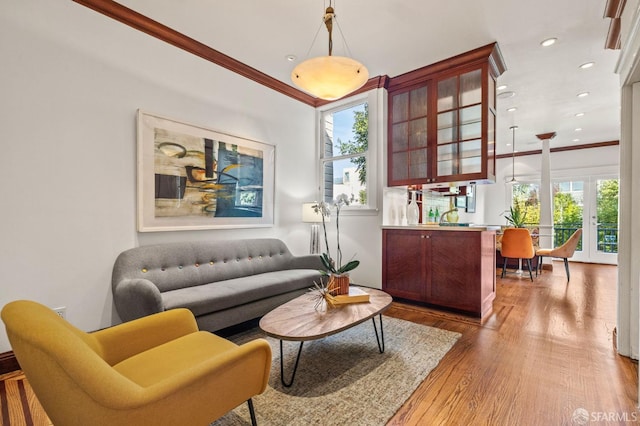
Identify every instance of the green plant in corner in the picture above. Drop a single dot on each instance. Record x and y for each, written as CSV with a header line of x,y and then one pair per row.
x,y
516,216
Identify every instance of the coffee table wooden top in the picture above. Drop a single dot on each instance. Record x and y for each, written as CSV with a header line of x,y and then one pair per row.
x,y
298,320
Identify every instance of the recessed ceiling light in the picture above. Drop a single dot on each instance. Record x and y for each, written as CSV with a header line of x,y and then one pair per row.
x,y
575,140
587,65
291,58
548,42
505,95
580,114
578,129
508,144
583,94
511,109
502,87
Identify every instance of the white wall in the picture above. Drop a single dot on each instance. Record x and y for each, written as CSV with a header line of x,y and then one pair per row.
x,y
71,81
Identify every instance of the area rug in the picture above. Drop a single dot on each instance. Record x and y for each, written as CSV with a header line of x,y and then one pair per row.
x,y
343,379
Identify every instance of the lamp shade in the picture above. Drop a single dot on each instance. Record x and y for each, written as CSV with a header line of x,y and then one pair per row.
x,y
309,214
330,77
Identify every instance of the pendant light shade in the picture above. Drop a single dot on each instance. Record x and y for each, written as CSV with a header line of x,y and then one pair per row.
x,y
330,77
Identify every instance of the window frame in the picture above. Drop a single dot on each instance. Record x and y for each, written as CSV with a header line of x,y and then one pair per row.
x,y
372,98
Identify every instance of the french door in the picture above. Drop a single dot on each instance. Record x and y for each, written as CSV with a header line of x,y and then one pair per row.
x,y
592,204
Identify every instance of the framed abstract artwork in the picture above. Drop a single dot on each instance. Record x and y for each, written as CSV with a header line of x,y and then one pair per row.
x,y
191,177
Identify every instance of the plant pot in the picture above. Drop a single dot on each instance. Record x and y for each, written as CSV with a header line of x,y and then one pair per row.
x,y
339,284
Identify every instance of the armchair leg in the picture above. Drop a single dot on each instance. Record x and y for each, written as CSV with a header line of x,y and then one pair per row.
x,y
566,268
252,412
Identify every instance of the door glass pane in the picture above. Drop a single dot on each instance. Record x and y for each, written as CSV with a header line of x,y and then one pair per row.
x,y
418,105
568,208
447,127
446,156
400,138
607,215
418,133
447,94
418,164
401,107
400,170
471,149
471,88
470,120
470,165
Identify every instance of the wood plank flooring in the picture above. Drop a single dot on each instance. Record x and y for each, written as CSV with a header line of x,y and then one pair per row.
x,y
547,351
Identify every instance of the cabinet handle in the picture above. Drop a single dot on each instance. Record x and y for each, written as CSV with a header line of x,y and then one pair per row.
x,y
421,236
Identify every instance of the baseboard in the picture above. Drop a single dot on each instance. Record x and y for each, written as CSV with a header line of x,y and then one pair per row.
x,y
8,362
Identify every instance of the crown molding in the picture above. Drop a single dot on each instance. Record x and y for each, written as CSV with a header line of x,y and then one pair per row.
x,y
162,32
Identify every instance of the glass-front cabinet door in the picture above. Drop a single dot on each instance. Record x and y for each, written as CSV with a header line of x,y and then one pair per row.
x,y
409,142
442,121
459,118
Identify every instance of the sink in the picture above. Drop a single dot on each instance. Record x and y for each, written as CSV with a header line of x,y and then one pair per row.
x,y
454,224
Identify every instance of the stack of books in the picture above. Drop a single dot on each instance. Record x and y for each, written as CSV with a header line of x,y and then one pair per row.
x,y
355,295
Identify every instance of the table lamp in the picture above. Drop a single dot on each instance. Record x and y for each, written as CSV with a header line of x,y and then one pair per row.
x,y
309,215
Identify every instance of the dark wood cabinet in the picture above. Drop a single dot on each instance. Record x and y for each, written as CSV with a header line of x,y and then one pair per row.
x,y
442,121
445,268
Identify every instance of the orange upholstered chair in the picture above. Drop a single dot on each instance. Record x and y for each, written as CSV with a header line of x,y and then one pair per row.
x,y
156,370
517,244
564,252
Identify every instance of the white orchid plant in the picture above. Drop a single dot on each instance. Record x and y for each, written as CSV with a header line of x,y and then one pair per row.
x,y
324,209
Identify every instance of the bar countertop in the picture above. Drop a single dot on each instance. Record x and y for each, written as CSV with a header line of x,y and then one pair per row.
x,y
436,227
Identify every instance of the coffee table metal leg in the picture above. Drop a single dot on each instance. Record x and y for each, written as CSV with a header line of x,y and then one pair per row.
x,y
379,340
295,367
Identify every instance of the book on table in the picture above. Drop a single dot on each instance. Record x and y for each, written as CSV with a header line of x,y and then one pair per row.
x,y
355,295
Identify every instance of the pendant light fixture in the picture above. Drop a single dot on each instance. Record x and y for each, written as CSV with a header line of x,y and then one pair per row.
x,y
330,77
513,156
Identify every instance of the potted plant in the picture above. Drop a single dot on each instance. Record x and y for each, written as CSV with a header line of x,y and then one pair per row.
x,y
516,217
337,272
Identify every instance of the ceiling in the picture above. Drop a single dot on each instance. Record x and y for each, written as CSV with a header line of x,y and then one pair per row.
x,y
396,36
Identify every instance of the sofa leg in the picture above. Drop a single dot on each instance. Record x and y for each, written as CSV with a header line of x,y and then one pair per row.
x,y
252,412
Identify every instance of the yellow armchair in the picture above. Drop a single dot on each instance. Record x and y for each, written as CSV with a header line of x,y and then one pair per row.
x,y
157,370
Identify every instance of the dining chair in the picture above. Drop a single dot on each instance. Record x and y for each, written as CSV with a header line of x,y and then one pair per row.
x,y
564,252
517,244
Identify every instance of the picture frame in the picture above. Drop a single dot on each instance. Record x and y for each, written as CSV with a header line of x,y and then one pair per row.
x,y
190,177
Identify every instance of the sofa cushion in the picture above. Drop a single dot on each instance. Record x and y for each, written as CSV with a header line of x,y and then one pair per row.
x,y
217,296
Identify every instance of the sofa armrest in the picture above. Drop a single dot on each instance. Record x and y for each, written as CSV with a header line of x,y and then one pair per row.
x,y
310,261
127,339
136,298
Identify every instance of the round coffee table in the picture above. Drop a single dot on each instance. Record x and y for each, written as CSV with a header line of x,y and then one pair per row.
x,y
298,320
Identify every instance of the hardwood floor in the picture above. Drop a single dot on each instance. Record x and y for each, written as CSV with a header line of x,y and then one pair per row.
x,y
547,350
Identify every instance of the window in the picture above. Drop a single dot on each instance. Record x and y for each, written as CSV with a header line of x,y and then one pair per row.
x,y
526,196
347,153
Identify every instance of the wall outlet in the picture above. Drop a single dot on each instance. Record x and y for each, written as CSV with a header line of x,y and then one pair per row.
x,y
61,311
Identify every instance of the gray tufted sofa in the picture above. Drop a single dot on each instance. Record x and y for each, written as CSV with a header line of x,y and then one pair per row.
x,y
222,282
